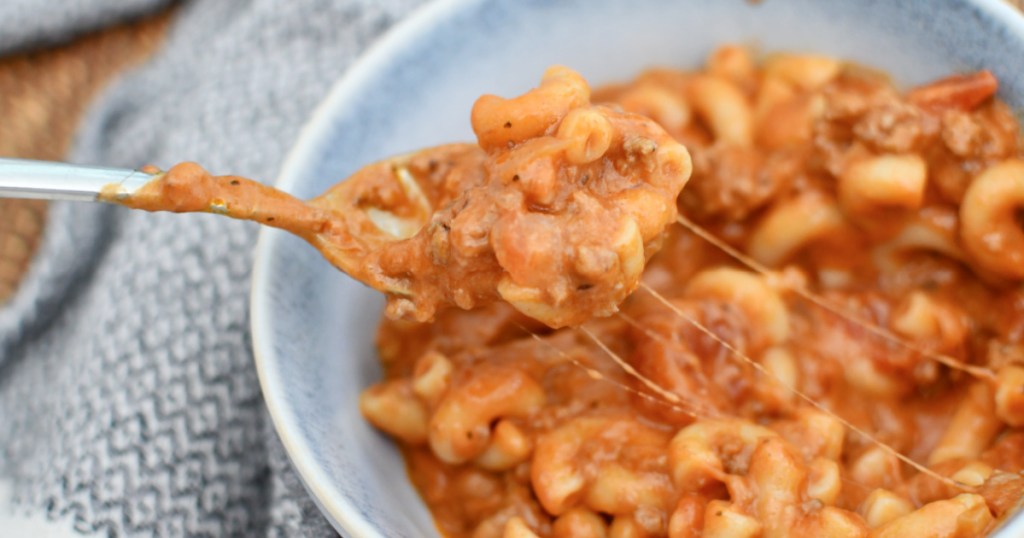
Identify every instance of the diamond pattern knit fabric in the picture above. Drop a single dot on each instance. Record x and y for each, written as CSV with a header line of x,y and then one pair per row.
x,y
129,403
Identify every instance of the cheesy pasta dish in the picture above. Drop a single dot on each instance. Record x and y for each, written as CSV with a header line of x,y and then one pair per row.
x,y
826,340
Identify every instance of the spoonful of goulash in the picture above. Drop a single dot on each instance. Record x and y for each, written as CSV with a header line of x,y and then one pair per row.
x,y
555,210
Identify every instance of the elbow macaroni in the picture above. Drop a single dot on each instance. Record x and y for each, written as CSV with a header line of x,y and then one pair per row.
x,y
499,121
971,429
460,428
762,305
791,225
563,476
725,109
1009,396
884,181
822,171
989,219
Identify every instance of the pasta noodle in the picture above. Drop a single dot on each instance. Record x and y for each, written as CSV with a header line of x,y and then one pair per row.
x,y
555,210
883,506
831,343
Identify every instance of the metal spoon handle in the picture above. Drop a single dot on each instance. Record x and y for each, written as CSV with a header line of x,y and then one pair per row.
x,y
45,180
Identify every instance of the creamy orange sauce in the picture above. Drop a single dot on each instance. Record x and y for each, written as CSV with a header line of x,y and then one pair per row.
x,y
508,427
555,210
861,374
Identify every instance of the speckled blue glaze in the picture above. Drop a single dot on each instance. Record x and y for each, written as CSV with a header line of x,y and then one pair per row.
x,y
313,327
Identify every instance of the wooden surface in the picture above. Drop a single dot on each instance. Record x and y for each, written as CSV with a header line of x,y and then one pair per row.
x,y
42,97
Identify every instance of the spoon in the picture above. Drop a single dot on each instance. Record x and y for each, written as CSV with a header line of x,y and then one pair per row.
x,y
555,210
45,180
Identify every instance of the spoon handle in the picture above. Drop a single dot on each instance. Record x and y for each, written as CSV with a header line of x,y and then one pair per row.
x,y
46,180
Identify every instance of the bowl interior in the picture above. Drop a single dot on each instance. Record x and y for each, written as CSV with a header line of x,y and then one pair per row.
x,y
313,327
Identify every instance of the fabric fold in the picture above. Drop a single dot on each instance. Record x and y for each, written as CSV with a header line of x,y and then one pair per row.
x,y
26,24
76,235
129,398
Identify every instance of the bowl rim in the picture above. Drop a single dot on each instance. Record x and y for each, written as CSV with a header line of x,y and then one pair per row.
x,y
337,509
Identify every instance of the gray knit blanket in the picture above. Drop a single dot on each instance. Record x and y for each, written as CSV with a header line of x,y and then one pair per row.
x,y
129,405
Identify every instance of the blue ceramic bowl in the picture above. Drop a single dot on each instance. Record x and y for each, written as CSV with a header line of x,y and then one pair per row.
x,y
313,326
